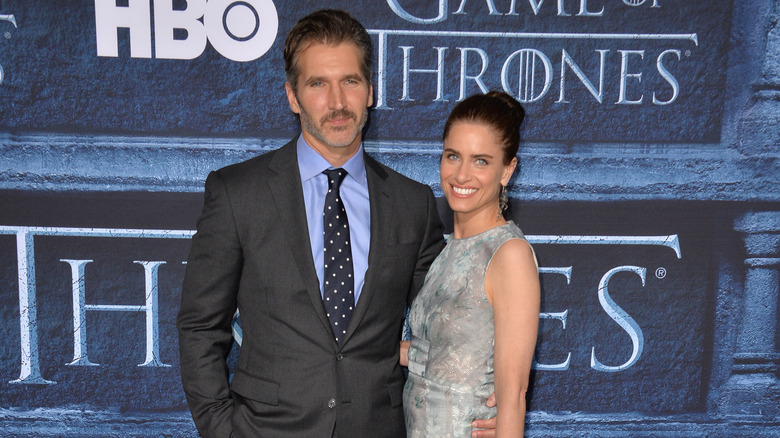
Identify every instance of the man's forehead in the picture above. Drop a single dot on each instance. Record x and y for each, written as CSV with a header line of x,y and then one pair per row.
x,y
341,45
342,49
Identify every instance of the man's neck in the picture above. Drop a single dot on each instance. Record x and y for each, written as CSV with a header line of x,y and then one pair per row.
x,y
336,156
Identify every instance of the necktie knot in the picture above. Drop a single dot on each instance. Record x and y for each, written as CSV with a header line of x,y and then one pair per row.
x,y
335,177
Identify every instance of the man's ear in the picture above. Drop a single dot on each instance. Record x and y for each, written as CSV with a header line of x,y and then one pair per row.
x,y
292,99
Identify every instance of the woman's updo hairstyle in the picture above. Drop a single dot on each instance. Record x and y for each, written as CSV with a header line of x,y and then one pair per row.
x,y
497,110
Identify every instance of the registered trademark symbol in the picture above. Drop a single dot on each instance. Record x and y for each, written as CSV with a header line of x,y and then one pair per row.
x,y
687,53
660,273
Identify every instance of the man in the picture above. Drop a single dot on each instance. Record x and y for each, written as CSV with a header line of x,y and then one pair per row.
x,y
262,247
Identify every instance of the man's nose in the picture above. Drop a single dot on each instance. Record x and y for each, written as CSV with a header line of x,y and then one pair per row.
x,y
336,98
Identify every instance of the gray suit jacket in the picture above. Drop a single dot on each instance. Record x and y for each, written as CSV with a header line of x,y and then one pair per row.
x,y
252,252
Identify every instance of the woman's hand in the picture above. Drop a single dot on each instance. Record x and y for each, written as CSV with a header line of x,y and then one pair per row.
x,y
403,357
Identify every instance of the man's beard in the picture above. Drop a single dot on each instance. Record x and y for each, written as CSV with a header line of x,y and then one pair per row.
x,y
316,131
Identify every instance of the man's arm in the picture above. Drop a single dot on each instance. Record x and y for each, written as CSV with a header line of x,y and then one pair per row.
x,y
207,307
432,244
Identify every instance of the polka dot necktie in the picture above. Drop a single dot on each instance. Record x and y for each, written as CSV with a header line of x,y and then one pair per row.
x,y
338,294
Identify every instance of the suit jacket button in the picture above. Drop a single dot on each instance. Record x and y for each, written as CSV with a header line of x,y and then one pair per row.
x,y
332,403
339,357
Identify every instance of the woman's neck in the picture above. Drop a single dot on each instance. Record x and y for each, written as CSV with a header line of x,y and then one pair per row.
x,y
467,225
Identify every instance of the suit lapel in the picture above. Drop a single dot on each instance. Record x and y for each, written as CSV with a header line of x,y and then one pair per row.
x,y
285,186
381,213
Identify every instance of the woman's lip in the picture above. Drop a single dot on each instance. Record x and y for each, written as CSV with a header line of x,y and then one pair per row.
x,y
463,191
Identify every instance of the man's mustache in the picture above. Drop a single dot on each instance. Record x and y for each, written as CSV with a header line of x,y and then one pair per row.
x,y
338,114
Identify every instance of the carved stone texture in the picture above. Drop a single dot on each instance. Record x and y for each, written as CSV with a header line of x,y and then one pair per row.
x,y
754,388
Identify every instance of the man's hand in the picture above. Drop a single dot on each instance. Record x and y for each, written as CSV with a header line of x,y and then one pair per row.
x,y
488,425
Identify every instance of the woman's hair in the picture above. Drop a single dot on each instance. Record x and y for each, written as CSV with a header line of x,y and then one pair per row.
x,y
496,110
329,27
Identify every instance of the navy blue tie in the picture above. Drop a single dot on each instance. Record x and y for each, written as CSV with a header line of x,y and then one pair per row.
x,y
338,291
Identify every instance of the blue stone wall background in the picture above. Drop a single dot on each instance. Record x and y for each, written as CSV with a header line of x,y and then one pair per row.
x,y
91,142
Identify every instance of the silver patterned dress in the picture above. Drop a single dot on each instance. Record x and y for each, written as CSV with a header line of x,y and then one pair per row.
x,y
452,331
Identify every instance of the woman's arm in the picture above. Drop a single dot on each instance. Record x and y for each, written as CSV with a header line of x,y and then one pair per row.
x,y
512,287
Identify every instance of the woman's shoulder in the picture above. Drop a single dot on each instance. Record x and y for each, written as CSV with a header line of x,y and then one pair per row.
x,y
513,247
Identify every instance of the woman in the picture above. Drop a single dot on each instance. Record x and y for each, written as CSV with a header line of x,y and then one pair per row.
x,y
475,320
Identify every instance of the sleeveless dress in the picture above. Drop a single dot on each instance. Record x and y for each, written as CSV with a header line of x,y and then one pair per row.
x,y
452,331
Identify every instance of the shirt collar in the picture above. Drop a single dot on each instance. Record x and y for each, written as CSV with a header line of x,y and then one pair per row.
x,y
311,163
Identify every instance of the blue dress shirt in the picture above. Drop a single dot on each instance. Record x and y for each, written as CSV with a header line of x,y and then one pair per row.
x,y
354,194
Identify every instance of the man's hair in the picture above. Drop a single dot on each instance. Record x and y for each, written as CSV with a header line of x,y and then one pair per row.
x,y
329,27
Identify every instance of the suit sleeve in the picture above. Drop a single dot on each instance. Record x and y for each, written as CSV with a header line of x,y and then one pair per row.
x,y
207,306
430,247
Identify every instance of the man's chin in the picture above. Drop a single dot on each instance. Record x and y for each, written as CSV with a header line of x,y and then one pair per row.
x,y
340,141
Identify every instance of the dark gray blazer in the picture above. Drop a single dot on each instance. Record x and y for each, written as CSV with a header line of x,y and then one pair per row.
x,y
252,252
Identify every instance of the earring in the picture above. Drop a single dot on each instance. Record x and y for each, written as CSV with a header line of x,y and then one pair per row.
x,y
503,201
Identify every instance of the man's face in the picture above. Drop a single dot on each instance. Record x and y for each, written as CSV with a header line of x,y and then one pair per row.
x,y
332,99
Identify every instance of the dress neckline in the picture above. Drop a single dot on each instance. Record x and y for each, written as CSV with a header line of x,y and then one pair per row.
x,y
452,238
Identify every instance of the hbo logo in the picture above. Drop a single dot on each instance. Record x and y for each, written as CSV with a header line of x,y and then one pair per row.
x,y
241,30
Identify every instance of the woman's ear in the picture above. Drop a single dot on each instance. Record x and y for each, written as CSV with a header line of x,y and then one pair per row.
x,y
509,169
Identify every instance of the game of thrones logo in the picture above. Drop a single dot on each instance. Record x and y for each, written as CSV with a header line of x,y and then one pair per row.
x,y
647,71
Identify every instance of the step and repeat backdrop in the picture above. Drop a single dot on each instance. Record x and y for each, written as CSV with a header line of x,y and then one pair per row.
x,y
649,184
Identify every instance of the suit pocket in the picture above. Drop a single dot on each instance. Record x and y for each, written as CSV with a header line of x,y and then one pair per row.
x,y
255,388
396,391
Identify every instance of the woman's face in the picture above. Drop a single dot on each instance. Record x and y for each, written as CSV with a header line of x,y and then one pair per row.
x,y
472,169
